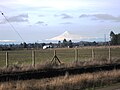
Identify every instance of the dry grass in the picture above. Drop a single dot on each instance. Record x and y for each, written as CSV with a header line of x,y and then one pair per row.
x,y
49,65
74,82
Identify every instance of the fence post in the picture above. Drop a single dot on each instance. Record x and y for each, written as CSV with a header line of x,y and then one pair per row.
x,y
54,52
109,54
55,58
93,54
7,63
76,54
33,58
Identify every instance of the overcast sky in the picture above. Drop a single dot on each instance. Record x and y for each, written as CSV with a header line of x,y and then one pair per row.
x,y
38,20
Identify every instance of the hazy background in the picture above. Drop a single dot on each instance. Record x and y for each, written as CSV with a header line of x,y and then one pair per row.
x,y
38,20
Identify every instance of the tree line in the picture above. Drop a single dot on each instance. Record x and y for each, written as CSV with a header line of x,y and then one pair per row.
x,y
65,43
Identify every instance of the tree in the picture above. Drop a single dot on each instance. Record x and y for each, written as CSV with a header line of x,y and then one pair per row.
x,y
94,43
51,43
118,39
65,43
113,38
70,44
59,44
24,45
112,34
43,44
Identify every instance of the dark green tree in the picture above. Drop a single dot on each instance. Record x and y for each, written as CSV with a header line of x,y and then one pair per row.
x,y
114,38
24,45
112,34
43,44
118,39
65,43
70,44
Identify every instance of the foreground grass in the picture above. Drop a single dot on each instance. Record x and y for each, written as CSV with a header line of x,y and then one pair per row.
x,y
111,87
67,82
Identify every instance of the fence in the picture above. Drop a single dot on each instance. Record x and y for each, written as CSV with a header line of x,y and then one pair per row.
x,y
33,57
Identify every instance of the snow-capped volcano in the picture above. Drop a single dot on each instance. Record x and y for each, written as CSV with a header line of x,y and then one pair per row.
x,y
68,36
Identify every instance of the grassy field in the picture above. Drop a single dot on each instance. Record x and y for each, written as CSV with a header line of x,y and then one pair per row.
x,y
67,55
24,57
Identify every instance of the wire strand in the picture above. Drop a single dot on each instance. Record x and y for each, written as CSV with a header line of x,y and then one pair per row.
x,y
12,27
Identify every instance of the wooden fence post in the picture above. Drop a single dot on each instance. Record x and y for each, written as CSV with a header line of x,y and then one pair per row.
x,y
93,54
55,58
33,58
55,55
7,63
76,54
109,54
54,52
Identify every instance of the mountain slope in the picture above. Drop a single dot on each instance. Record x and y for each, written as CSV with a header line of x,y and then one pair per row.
x,y
68,36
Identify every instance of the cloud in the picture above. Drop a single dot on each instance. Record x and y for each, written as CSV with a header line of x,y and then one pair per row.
x,y
41,15
66,23
64,16
41,23
7,40
105,17
19,18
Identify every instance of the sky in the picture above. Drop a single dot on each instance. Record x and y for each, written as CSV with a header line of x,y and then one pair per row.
x,y
40,20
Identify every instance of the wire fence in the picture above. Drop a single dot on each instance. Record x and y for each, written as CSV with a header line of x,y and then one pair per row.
x,y
33,57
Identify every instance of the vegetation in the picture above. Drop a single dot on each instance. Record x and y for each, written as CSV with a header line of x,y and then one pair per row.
x,y
21,61
49,65
115,38
65,43
67,82
66,55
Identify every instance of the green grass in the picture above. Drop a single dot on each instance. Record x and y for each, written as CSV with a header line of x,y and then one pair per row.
x,y
66,55
2,59
24,57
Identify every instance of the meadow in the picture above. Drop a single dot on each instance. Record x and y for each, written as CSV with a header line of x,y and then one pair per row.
x,y
24,57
